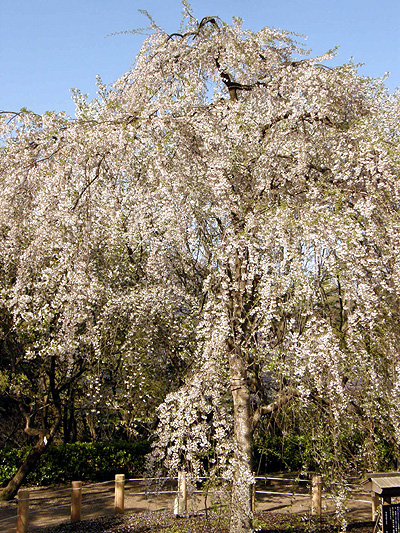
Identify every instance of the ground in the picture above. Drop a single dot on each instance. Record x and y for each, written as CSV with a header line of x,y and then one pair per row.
x,y
165,522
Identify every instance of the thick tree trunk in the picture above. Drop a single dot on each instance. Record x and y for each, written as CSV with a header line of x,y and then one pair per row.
x,y
10,491
240,298
241,503
241,506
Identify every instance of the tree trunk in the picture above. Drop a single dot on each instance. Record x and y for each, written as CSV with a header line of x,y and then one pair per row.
x,y
69,421
241,507
241,503
10,491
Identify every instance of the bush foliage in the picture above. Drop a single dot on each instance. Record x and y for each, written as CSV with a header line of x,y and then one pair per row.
x,y
86,461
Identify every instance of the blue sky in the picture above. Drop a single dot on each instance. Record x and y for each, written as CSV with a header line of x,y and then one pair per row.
x,y
48,47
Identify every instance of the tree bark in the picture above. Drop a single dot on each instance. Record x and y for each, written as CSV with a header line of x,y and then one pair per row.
x,y
10,491
241,507
241,502
69,421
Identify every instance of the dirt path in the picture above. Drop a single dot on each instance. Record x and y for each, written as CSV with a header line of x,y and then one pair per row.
x,y
51,506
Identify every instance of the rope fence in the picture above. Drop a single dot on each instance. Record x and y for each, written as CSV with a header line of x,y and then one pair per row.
x,y
180,504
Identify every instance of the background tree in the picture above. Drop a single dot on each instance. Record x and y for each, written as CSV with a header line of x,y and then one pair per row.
x,y
89,341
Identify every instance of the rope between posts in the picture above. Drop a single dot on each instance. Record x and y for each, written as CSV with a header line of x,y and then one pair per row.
x,y
344,484
150,492
282,493
97,499
99,483
283,479
151,478
264,492
9,518
52,492
69,489
41,509
86,492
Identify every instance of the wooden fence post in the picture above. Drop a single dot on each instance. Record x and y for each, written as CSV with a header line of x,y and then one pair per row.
x,y
375,501
76,500
316,498
180,506
253,494
119,502
22,511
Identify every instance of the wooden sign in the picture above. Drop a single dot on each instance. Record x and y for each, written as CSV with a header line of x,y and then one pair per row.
x,y
391,518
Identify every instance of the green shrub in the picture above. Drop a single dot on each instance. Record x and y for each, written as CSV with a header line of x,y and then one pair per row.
x,y
273,453
10,459
86,461
294,452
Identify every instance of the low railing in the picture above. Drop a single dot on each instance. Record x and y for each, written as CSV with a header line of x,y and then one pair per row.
x,y
312,491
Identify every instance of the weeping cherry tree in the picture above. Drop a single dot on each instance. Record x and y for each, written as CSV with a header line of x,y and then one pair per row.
x,y
265,187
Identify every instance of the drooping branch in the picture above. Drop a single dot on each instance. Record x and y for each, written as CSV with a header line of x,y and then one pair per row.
x,y
86,187
232,85
32,432
203,22
275,406
306,117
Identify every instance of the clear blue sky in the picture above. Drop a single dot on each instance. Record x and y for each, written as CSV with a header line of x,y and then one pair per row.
x,y
49,46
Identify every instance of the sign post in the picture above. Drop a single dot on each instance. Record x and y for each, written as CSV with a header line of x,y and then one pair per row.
x,y
391,518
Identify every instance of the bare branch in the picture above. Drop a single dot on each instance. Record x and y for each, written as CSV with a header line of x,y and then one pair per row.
x,y
274,406
86,187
